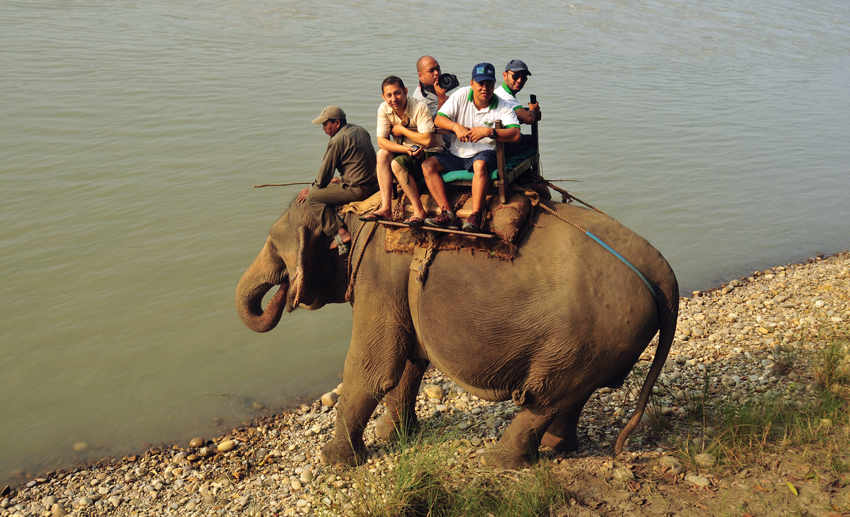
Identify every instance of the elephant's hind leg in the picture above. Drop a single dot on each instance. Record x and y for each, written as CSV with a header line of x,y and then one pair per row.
x,y
518,446
400,417
562,434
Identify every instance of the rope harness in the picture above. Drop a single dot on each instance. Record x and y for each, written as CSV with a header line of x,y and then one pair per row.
x,y
566,197
352,272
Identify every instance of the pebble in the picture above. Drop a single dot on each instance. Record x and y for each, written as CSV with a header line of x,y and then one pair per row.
x,y
197,442
330,399
226,445
81,446
434,391
699,481
624,474
671,465
705,460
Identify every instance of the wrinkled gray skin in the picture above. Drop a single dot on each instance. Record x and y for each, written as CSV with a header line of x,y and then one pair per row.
x,y
564,319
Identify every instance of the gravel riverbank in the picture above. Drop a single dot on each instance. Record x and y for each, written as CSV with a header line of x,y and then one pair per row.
x,y
733,344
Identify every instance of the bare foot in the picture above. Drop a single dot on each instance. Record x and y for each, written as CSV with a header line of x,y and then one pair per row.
x,y
344,235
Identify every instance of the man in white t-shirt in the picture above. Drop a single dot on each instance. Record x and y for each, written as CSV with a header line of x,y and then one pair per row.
x,y
471,114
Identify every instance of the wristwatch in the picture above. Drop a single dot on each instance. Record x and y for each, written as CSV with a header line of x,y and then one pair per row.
x,y
493,136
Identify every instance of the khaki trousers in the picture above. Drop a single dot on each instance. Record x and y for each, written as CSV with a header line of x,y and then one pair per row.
x,y
322,203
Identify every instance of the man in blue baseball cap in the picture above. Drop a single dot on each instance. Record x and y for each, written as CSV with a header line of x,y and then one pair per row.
x,y
470,114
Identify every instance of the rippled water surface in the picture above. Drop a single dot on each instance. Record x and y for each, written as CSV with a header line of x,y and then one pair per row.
x,y
131,133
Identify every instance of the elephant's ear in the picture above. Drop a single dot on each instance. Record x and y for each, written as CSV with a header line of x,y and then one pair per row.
x,y
303,285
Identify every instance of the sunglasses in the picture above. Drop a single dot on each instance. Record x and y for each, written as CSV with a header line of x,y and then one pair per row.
x,y
518,75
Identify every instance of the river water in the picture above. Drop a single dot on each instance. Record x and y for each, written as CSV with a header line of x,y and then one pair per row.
x,y
131,133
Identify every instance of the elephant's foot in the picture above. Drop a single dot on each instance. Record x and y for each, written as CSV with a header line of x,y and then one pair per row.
x,y
506,459
338,452
565,444
389,430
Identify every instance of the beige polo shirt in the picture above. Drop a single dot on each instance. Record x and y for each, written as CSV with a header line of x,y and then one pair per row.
x,y
417,117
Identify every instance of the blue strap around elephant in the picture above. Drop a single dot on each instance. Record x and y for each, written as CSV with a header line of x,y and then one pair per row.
x,y
626,262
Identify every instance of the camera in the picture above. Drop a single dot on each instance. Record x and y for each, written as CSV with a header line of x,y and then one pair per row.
x,y
448,81
414,148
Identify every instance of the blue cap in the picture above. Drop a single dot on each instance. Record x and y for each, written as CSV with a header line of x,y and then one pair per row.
x,y
483,72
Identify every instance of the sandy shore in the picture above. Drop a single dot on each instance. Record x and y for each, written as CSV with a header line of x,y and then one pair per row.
x,y
732,344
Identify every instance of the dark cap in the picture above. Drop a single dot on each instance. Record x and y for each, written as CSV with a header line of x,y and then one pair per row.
x,y
483,72
517,66
332,112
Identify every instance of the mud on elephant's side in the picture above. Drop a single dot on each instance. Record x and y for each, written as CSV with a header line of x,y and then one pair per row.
x,y
565,318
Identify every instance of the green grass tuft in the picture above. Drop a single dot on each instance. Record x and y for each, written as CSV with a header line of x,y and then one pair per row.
x,y
749,430
424,477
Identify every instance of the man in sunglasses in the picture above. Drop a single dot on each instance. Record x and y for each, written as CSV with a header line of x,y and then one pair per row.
x,y
515,76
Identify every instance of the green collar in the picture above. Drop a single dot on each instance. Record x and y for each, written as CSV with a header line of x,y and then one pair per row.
x,y
494,100
510,92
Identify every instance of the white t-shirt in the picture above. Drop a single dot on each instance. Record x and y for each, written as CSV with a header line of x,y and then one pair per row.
x,y
508,96
460,108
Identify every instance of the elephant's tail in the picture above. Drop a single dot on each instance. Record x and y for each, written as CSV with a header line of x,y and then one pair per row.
x,y
668,313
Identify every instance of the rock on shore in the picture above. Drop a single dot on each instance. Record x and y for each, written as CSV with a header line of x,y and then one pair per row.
x,y
733,344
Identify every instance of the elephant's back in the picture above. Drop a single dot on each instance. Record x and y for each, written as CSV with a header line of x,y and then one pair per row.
x,y
561,240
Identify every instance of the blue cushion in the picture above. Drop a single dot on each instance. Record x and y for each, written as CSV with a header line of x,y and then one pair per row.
x,y
511,162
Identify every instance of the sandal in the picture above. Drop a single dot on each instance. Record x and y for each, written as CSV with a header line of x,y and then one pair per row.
x,y
373,217
414,222
341,246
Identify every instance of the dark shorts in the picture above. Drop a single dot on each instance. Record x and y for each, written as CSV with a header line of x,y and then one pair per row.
x,y
412,165
450,162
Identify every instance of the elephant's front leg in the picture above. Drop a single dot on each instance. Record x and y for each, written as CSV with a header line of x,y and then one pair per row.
x,y
354,409
373,367
400,418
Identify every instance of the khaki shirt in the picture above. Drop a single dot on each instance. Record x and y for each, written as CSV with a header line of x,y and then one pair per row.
x,y
416,117
350,151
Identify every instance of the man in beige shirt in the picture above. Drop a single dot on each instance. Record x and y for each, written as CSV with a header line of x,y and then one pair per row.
x,y
414,139
350,152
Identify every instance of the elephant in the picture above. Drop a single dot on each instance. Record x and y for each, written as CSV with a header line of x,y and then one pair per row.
x,y
561,320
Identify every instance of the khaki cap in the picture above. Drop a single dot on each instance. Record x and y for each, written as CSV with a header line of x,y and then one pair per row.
x,y
331,112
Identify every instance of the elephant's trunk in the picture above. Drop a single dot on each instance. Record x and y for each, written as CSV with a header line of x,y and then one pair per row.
x,y
265,272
